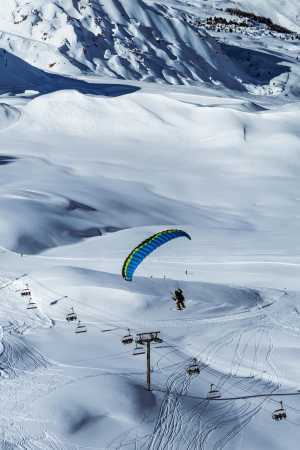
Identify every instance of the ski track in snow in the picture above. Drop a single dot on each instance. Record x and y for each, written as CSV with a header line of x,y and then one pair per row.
x,y
175,429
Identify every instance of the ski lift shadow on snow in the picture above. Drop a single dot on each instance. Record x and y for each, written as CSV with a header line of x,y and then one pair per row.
x,y
81,328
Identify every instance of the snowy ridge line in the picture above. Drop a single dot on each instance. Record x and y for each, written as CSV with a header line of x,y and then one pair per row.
x,y
36,256
66,258
152,260
226,262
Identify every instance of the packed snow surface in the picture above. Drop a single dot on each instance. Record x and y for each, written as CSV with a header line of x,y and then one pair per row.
x,y
91,166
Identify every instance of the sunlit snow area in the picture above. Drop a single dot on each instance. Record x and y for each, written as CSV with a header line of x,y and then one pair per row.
x,y
119,119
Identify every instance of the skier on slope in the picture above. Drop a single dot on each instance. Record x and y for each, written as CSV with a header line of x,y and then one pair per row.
x,y
178,297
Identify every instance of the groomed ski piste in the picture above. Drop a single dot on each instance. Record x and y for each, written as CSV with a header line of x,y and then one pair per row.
x,y
90,166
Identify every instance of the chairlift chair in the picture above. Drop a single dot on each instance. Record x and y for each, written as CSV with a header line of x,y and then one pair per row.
x,y
31,305
71,316
26,292
127,339
138,350
193,369
81,328
213,392
156,338
279,414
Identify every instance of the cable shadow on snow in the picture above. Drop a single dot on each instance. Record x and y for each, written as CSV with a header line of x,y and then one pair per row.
x,y
17,76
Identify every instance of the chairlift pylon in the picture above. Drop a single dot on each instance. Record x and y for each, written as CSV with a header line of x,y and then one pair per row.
x,y
81,328
213,392
127,339
193,368
280,413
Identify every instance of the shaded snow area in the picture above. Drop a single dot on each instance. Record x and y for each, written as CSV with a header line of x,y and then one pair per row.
x,y
119,119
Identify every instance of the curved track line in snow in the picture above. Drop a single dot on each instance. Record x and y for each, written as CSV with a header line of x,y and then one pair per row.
x,y
234,422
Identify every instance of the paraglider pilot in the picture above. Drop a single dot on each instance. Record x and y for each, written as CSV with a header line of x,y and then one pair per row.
x,y
178,297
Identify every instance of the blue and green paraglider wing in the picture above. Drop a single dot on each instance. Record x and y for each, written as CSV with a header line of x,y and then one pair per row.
x,y
140,252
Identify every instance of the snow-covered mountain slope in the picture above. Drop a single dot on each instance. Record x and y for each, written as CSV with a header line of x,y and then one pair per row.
x,y
100,170
118,128
131,39
92,165
146,40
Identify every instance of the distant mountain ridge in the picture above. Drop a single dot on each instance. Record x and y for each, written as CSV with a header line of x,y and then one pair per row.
x,y
132,39
148,40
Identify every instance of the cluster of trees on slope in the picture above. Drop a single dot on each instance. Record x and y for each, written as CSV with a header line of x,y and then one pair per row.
x,y
259,19
240,21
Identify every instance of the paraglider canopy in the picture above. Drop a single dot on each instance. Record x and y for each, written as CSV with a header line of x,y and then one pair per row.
x,y
146,247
